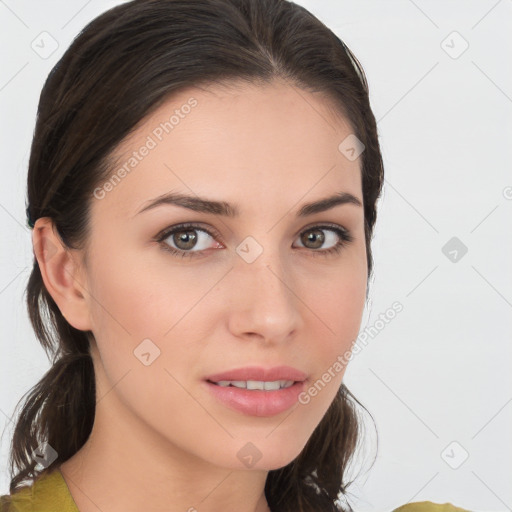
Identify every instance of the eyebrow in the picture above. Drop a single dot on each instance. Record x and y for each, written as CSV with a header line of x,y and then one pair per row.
x,y
200,204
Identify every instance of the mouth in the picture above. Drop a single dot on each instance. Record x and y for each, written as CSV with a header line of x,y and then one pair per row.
x,y
256,391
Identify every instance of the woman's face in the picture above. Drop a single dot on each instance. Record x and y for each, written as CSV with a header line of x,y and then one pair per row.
x,y
251,283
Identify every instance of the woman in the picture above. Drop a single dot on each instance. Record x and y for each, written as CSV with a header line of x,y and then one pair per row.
x,y
202,189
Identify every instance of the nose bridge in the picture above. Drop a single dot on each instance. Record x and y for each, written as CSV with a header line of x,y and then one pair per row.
x,y
264,300
261,259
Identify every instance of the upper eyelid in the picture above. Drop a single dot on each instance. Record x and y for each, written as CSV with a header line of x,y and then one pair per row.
x,y
166,232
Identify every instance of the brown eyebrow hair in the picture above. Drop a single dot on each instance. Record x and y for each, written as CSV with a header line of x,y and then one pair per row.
x,y
200,204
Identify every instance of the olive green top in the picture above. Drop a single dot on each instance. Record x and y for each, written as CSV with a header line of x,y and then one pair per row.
x,y
50,493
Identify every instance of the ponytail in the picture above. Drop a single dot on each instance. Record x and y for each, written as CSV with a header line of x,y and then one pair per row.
x,y
56,414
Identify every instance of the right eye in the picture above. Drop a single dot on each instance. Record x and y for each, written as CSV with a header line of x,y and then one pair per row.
x,y
179,240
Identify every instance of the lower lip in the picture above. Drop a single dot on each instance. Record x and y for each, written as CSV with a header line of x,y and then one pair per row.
x,y
257,402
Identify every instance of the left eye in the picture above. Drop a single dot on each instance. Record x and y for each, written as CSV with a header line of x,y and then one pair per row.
x,y
317,237
181,239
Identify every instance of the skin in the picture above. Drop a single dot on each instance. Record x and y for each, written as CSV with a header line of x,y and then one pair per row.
x,y
160,441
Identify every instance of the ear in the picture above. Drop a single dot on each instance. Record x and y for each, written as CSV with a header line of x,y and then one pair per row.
x,y
62,273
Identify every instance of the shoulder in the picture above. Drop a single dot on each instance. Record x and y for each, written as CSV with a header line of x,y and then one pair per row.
x,y
428,506
20,501
48,493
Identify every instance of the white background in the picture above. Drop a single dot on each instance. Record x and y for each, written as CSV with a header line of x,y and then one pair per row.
x,y
440,371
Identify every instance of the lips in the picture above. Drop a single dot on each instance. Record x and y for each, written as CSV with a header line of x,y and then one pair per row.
x,y
256,402
258,373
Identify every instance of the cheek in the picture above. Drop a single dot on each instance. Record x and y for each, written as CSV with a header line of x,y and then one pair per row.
x,y
338,299
338,302
140,301
148,309
340,310
144,310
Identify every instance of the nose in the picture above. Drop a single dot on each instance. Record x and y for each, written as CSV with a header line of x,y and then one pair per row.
x,y
264,304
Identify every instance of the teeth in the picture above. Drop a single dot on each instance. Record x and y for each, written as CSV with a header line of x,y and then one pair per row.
x,y
257,384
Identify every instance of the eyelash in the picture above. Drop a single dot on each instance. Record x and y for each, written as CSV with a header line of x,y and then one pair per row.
x,y
343,234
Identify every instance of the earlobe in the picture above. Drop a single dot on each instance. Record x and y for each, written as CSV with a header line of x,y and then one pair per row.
x,y
61,273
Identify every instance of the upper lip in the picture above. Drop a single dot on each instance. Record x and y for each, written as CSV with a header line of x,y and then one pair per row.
x,y
260,373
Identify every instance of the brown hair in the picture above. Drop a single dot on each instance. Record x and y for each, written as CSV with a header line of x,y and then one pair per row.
x,y
119,69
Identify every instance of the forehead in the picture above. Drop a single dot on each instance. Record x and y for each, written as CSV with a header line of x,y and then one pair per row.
x,y
258,141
